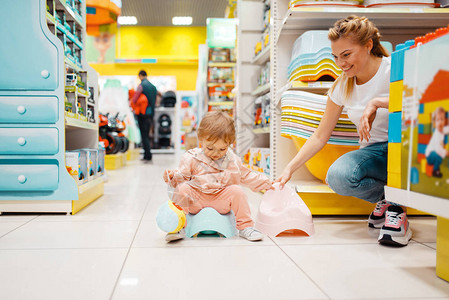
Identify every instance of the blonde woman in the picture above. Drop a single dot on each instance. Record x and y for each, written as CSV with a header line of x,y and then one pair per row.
x,y
363,88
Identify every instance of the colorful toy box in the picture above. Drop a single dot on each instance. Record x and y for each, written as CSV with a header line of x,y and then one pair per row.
x,y
100,162
76,164
425,127
91,163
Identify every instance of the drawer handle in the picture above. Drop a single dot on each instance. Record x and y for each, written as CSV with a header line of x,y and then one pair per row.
x,y
21,109
45,74
21,141
22,179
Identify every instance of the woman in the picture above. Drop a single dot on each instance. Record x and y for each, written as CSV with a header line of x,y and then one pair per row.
x,y
363,88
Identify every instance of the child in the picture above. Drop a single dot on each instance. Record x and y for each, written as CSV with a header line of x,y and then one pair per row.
x,y
435,151
211,176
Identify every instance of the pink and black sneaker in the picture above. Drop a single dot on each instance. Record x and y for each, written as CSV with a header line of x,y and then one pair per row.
x,y
377,218
396,230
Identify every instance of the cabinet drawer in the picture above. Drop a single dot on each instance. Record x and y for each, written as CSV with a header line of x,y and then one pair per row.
x,y
38,141
27,110
29,177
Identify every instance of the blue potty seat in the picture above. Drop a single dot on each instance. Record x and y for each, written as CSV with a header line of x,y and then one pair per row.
x,y
209,221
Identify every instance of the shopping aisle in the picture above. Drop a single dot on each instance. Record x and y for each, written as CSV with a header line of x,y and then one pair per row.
x,y
113,250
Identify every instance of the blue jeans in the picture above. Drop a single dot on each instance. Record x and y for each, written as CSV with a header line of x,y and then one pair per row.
x,y
435,160
361,173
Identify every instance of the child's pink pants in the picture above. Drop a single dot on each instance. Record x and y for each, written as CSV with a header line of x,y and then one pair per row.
x,y
230,198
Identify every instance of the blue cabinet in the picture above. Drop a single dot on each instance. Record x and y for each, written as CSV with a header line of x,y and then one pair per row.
x,y
29,110
32,129
27,56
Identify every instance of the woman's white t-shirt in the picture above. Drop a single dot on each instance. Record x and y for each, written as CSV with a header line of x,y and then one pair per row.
x,y
378,86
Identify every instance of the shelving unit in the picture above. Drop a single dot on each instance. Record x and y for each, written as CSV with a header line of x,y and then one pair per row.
x,y
37,62
248,69
396,25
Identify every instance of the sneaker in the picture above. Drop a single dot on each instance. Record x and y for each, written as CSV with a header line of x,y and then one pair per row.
x,y
377,218
251,234
437,173
170,237
396,231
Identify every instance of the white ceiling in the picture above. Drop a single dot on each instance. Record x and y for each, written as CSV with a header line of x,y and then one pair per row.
x,y
161,12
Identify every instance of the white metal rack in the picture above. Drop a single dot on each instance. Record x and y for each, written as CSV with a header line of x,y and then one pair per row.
x,y
248,68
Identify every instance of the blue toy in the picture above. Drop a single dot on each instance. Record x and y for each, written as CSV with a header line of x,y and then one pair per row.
x,y
170,217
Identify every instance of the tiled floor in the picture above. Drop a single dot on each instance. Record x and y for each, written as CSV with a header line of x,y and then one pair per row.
x,y
113,250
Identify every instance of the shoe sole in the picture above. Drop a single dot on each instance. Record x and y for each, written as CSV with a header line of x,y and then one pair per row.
x,y
396,241
376,224
172,238
372,225
253,239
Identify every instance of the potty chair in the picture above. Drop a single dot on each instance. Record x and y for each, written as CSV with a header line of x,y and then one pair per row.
x,y
210,222
282,210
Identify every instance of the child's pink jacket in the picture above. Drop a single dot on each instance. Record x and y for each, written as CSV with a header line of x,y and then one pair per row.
x,y
204,174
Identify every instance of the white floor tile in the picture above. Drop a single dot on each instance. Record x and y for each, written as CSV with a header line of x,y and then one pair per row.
x,y
149,235
213,273
53,235
6,227
334,231
424,229
106,208
431,245
59,274
80,256
17,218
371,271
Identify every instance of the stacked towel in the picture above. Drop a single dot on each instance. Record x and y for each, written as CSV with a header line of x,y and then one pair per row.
x,y
302,113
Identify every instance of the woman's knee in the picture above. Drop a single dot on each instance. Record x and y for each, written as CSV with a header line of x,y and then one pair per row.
x,y
340,176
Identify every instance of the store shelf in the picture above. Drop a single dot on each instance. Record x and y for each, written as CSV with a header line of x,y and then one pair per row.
x,y
261,130
432,205
221,103
75,89
73,122
262,57
165,109
71,15
50,18
322,18
260,90
221,64
210,84
317,87
87,193
72,65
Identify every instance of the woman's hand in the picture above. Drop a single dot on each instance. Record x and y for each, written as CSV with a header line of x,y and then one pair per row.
x,y
366,121
285,177
168,175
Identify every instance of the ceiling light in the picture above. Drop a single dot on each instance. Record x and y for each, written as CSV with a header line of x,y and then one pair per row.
x,y
182,20
127,20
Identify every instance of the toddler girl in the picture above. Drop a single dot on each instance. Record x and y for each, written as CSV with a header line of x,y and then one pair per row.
x,y
210,176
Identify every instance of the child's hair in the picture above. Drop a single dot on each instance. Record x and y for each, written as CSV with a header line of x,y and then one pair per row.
x,y
217,125
436,112
360,30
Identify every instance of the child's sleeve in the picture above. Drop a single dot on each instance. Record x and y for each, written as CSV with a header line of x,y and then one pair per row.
x,y
184,171
446,130
256,182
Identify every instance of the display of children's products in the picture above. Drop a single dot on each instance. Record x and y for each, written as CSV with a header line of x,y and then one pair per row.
x,y
258,159
425,126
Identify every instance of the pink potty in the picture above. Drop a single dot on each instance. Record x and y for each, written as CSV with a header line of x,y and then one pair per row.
x,y
282,210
